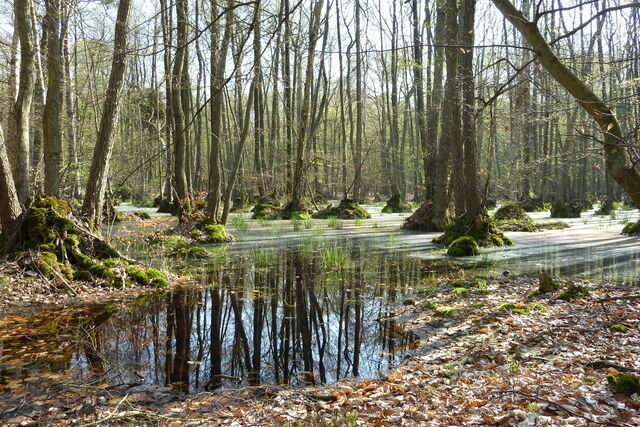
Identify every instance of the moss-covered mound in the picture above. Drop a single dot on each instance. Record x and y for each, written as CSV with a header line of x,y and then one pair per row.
x,y
347,209
511,211
396,205
560,209
626,384
483,230
142,215
59,247
531,226
632,229
210,233
575,292
422,219
267,208
532,204
463,246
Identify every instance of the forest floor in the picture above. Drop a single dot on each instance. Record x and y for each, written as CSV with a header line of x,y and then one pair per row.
x,y
474,365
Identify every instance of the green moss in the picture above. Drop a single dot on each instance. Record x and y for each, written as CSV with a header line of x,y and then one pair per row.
x,y
409,301
175,241
157,278
138,275
142,215
460,291
297,215
463,246
195,234
347,209
111,262
632,229
520,309
72,240
575,292
102,271
442,311
483,229
619,328
47,263
265,210
216,233
626,384
396,205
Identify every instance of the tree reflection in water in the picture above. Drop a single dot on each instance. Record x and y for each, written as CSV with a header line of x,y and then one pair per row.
x,y
288,322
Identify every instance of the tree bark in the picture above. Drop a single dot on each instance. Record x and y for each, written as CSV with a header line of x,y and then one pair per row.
x,y
97,184
51,129
19,115
10,207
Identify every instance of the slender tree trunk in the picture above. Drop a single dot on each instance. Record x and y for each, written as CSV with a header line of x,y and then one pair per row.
x,y
97,183
19,114
52,135
10,207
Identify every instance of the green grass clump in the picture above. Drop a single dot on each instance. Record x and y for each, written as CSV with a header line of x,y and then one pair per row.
x,y
626,384
463,246
334,222
575,292
619,328
308,223
460,291
443,311
239,223
262,258
409,301
296,224
334,258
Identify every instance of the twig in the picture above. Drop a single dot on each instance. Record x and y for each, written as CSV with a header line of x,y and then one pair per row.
x,y
562,407
598,364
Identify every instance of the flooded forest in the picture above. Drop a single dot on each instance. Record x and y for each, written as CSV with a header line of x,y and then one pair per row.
x,y
320,213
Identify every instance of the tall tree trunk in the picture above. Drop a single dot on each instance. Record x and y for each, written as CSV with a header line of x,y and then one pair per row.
x,y
51,129
471,193
450,118
97,183
10,207
70,110
177,106
19,115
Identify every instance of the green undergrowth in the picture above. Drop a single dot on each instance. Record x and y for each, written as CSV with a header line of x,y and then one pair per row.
x,y
142,215
632,229
575,292
626,384
61,248
619,328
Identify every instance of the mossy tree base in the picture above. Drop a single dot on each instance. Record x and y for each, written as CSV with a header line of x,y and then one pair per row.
x,y
422,219
560,209
532,204
463,246
396,205
347,209
632,229
483,230
51,241
511,211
